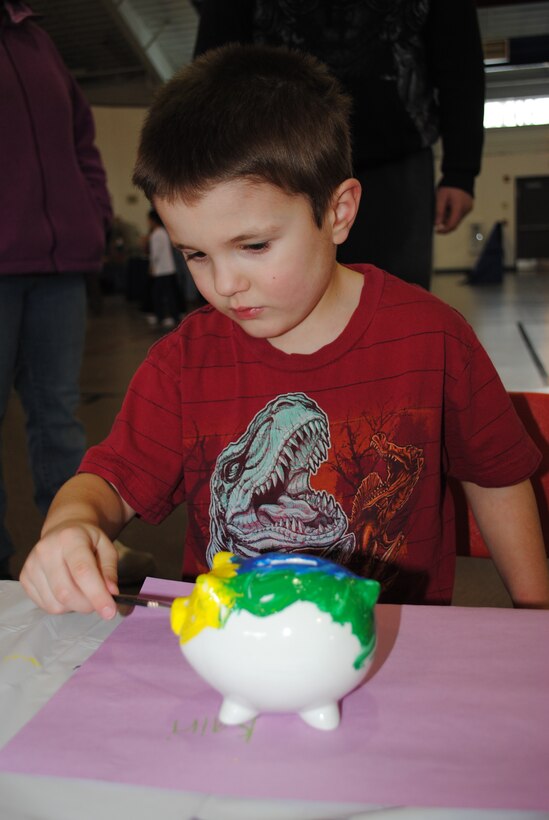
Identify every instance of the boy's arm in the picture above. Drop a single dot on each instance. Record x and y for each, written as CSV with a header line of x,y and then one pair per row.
x,y
73,567
509,522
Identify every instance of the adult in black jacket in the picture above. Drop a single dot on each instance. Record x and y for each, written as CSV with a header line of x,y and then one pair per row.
x,y
414,69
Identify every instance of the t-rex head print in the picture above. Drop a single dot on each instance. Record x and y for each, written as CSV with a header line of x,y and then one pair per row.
x,y
261,497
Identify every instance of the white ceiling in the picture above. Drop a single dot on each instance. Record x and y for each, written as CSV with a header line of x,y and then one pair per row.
x,y
511,21
121,50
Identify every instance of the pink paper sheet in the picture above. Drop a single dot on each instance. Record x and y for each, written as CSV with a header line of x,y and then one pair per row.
x,y
455,713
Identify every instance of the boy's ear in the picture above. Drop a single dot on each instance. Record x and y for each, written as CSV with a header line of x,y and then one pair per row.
x,y
344,209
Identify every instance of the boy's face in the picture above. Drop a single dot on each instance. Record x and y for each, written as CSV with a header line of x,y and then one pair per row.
x,y
256,254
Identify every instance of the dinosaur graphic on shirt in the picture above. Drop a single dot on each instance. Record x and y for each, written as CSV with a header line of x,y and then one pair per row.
x,y
261,496
378,500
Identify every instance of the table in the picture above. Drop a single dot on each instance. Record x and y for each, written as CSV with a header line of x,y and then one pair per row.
x,y
39,652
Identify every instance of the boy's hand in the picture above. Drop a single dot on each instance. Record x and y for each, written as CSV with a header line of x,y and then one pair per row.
x,y
73,568
451,205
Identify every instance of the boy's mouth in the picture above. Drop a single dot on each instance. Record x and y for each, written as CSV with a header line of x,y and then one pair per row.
x,y
247,312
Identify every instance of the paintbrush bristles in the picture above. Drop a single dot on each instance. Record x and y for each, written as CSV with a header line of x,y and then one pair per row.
x,y
136,600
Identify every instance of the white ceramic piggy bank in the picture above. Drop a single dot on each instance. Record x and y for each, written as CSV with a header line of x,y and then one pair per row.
x,y
279,633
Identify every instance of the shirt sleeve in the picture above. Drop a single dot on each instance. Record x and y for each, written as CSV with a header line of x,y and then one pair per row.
x,y
486,441
89,158
456,63
142,455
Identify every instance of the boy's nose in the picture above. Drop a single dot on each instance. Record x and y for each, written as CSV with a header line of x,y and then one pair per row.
x,y
228,280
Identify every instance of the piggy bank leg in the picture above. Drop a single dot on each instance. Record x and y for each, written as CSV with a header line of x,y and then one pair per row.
x,y
232,712
323,717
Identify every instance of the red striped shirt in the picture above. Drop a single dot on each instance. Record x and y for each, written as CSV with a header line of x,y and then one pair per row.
x,y
404,396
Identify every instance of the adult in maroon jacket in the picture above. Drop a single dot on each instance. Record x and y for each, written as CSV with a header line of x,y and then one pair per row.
x,y
54,211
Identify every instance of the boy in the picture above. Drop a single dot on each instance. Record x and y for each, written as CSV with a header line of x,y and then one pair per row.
x,y
309,407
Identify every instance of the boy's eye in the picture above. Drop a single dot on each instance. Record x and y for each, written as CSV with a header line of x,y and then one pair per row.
x,y
257,247
192,257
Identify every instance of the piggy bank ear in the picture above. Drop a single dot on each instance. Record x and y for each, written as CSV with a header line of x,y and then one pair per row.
x,y
370,590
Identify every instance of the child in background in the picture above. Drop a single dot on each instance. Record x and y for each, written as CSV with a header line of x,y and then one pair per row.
x,y
310,406
164,274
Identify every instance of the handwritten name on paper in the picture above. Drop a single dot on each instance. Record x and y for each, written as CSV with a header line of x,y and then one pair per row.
x,y
212,725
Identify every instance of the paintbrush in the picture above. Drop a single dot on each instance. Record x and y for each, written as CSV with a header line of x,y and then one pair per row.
x,y
139,600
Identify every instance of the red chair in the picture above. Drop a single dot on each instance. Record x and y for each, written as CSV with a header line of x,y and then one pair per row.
x,y
533,409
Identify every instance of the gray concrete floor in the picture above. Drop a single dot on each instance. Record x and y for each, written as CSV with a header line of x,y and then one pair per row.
x,y
511,319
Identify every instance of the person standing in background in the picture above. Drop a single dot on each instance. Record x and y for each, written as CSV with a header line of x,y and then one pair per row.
x,y
414,70
55,210
163,271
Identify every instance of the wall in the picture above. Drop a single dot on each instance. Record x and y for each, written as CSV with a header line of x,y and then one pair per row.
x,y
117,137
508,153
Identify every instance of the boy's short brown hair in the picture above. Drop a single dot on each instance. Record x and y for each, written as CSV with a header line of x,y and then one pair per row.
x,y
247,112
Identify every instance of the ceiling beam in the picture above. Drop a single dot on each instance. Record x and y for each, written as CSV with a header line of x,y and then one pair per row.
x,y
143,37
